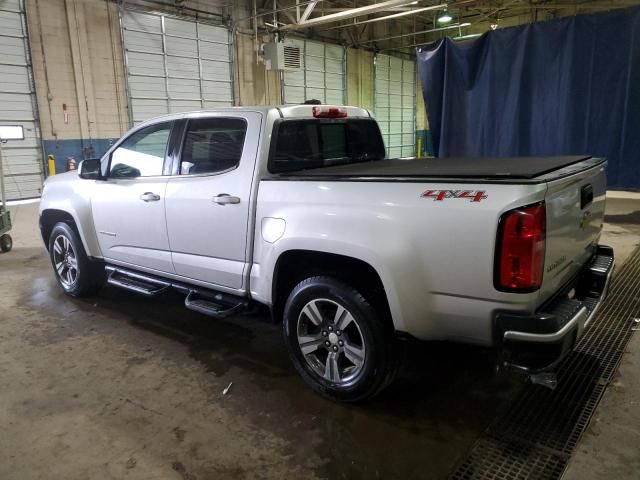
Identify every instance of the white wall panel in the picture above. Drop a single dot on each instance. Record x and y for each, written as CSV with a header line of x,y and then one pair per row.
x,y
395,105
175,65
322,76
22,159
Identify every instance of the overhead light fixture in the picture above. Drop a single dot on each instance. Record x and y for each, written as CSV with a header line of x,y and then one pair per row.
x,y
445,17
494,26
393,15
465,37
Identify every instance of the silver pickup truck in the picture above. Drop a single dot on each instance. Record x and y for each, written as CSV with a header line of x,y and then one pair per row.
x,y
297,208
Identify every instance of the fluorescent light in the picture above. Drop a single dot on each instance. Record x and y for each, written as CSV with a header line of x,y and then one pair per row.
x,y
394,15
471,35
445,17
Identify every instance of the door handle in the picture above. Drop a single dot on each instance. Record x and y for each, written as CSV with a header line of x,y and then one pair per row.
x,y
225,198
149,197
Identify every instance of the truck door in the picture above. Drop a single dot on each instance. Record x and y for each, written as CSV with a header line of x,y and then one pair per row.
x,y
208,201
129,206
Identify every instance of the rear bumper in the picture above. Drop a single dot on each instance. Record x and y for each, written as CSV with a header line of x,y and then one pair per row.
x,y
540,341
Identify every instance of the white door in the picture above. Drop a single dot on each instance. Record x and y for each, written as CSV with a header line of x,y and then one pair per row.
x,y
175,65
22,159
395,104
208,203
129,207
322,76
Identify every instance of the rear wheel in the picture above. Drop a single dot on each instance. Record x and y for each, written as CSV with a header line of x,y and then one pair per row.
x,y
75,273
337,342
6,243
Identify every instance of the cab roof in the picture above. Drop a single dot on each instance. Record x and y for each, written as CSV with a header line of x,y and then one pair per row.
x,y
285,111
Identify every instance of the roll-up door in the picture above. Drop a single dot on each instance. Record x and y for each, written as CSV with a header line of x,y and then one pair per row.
x,y
175,65
395,104
322,76
22,159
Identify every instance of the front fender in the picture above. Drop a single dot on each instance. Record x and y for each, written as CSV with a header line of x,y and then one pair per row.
x,y
72,195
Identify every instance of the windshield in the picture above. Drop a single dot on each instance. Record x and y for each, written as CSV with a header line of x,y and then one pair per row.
x,y
305,144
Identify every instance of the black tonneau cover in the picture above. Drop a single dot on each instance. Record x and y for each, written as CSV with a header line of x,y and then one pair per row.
x,y
452,167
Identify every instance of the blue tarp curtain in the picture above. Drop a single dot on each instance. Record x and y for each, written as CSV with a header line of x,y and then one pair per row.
x,y
564,86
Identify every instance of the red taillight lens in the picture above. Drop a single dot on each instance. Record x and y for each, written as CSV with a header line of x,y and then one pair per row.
x,y
325,111
520,256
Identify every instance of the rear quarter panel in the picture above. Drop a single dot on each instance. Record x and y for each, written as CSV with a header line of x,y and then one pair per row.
x,y
435,258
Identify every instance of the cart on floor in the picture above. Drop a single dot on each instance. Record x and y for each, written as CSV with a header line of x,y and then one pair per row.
x,y
7,132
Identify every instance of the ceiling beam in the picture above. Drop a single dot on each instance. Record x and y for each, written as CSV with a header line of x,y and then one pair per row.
x,y
347,14
307,12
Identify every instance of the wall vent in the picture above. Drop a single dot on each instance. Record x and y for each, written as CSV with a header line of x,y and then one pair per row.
x,y
292,57
280,56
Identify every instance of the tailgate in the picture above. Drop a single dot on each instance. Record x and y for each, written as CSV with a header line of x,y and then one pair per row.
x,y
575,214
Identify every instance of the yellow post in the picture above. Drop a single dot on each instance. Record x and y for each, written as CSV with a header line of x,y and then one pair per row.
x,y
52,164
419,146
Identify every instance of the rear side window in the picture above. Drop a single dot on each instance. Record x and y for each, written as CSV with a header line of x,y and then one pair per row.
x,y
212,145
142,153
304,144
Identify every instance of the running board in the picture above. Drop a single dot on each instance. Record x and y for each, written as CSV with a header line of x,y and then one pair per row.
x,y
217,305
135,282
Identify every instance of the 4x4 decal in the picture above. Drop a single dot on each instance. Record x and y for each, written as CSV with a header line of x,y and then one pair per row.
x,y
471,195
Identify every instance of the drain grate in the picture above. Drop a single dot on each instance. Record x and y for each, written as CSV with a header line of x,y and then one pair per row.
x,y
535,437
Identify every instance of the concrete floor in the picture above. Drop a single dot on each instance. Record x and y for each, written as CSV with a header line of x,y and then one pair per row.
x,y
610,447
121,386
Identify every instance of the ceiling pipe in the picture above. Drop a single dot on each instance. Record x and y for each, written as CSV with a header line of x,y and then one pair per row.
x,y
402,47
383,39
347,14
388,17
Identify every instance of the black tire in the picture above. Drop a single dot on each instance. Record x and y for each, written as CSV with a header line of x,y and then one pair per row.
x,y
6,243
89,276
366,330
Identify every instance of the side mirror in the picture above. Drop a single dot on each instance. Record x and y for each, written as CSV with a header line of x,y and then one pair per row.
x,y
91,169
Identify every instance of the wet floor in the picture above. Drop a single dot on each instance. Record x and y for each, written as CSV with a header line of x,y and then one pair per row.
x,y
141,352
121,386
418,428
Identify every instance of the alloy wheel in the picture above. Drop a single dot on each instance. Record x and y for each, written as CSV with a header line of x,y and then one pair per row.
x,y
65,261
331,341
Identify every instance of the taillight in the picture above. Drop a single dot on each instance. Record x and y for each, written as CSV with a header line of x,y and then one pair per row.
x,y
327,111
521,245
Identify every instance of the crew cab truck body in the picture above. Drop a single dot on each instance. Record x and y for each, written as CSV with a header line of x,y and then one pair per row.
x,y
296,208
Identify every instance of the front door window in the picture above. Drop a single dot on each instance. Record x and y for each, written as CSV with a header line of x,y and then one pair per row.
x,y
142,154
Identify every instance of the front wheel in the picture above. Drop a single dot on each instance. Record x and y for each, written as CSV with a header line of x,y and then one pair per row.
x,y
74,271
337,341
6,243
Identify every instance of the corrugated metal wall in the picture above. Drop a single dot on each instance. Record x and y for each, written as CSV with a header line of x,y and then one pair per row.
x,y
395,103
22,159
175,65
322,76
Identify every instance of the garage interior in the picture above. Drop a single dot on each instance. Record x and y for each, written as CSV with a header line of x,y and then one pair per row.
x,y
122,386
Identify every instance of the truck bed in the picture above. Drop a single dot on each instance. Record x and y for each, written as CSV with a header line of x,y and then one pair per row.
x,y
504,168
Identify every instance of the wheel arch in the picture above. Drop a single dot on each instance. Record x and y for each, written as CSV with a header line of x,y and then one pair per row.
x,y
293,266
52,216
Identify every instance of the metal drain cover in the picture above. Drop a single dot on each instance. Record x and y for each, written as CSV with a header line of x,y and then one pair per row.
x,y
536,435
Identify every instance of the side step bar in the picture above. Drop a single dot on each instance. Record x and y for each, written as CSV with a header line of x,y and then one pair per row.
x,y
135,282
208,302
217,305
